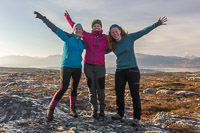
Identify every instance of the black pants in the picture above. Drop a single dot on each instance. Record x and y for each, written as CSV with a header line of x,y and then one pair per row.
x,y
65,74
132,75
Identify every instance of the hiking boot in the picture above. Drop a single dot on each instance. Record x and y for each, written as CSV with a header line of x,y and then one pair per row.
x,y
73,111
50,112
94,115
135,122
101,114
117,117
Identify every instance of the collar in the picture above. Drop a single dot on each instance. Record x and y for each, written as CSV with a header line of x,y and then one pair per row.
x,y
97,33
74,35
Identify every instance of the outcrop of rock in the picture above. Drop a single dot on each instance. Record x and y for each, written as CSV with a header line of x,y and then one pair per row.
x,y
25,96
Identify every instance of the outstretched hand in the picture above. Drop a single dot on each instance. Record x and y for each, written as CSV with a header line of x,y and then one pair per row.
x,y
66,13
38,15
163,20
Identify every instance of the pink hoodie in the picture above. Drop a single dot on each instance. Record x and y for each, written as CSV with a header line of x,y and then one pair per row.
x,y
96,43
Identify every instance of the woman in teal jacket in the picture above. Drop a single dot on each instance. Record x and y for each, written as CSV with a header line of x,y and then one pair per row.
x,y
70,65
122,44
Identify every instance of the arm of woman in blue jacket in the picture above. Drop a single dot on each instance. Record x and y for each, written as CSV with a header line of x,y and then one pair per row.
x,y
63,35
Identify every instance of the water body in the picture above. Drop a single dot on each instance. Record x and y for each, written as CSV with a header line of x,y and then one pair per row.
x,y
149,70
112,69
175,69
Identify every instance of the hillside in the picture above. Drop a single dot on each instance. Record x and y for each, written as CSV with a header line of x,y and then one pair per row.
x,y
144,61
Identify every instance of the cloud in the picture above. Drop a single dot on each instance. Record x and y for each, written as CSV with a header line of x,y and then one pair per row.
x,y
179,36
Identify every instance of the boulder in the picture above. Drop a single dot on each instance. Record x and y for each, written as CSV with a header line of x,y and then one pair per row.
x,y
184,93
165,120
164,92
150,91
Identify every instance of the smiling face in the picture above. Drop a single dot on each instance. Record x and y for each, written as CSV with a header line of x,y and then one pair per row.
x,y
78,32
116,33
96,27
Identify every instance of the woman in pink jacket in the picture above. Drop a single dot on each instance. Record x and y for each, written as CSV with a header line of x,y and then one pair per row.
x,y
94,64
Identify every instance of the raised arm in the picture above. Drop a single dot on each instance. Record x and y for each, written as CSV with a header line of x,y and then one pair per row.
x,y
46,21
60,33
137,35
69,20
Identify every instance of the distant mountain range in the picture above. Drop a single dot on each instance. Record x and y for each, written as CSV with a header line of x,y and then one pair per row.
x,y
27,61
144,61
167,61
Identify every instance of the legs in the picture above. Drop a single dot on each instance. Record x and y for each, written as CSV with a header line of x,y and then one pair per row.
x,y
90,74
76,75
134,84
100,85
131,75
96,83
120,82
65,74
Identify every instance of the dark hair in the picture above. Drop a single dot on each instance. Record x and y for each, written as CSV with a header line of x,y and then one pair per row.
x,y
112,41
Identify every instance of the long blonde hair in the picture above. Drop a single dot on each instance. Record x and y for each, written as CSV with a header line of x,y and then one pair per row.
x,y
112,41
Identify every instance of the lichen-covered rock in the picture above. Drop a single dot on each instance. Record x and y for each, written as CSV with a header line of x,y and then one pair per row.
x,y
165,120
16,106
150,91
185,93
164,92
25,97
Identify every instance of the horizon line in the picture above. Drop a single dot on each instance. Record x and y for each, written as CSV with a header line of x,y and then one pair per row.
x,y
106,54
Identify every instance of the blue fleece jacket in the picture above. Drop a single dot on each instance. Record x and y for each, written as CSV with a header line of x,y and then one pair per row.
x,y
125,47
73,47
72,50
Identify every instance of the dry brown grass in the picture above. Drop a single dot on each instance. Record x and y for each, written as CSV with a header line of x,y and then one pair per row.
x,y
181,128
154,103
151,103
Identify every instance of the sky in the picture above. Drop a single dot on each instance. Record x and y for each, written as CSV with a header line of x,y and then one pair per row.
x,y
22,34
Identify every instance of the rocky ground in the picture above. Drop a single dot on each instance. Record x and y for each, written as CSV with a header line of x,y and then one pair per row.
x,y
170,103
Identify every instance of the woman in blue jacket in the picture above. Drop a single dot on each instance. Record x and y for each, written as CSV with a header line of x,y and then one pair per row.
x,y
122,44
70,64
